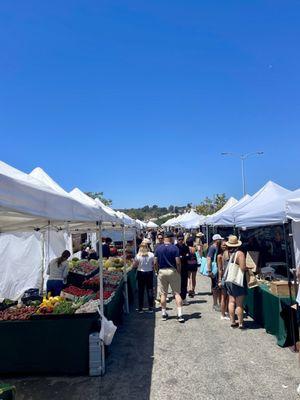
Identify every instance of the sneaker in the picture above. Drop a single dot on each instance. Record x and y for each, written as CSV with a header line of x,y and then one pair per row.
x,y
217,307
180,319
185,302
226,318
150,310
164,317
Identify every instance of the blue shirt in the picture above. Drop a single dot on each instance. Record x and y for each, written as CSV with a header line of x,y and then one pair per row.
x,y
166,255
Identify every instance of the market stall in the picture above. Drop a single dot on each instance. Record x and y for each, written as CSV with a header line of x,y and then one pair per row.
x,y
30,205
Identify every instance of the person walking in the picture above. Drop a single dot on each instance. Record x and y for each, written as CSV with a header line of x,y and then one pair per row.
x,y
167,264
212,258
192,266
222,261
235,283
144,262
183,253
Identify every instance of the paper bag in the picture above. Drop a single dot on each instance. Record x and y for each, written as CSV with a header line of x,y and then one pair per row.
x,y
252,261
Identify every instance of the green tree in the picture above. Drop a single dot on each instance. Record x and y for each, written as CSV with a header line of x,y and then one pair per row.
x,y
210,206
100,196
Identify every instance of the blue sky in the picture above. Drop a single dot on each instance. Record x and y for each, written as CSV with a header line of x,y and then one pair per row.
x,y
139,98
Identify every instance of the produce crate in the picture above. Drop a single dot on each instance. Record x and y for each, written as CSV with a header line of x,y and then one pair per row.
x,y
77,279
281,288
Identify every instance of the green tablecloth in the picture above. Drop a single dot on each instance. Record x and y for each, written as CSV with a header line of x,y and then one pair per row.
x,y
131,281
47,345
114,309
271,312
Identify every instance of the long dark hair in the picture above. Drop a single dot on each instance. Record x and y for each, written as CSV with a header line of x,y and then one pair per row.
x,y
65,255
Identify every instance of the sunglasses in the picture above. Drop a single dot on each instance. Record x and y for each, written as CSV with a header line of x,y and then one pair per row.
x,y
180,239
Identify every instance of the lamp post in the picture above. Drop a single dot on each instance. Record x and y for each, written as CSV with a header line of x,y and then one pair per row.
x,y
243,157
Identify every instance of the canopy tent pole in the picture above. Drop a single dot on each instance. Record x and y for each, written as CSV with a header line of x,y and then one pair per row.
x,y
43,260
207,240
100,262
292,325
134,241
125,273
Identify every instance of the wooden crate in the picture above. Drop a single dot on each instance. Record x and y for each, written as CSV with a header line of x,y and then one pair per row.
x,y
281,288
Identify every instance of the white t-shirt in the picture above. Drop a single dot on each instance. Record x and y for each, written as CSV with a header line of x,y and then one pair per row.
x,y
146,263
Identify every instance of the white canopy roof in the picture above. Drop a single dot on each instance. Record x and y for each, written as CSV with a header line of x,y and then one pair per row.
x,y
169,222
265,207
293,208
105,214
229,203
141,224
152,224
191,220
226,217
27,203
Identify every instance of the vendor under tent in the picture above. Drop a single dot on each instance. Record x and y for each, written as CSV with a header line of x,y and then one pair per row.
x,y
27,204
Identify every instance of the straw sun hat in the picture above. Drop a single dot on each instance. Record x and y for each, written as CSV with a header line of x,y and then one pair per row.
x,y
233,241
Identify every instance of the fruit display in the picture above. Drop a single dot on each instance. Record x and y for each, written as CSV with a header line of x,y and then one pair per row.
x,y
77,292
84,267
17,313
113,263
92,283
89,307
47,306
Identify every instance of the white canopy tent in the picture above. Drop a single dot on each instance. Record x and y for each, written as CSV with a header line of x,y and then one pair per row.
x,y
226,217
169,222
192,220
293,213
265,207
229,203
152,224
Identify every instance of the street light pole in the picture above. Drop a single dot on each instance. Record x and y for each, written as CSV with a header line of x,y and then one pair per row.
x,y
243,157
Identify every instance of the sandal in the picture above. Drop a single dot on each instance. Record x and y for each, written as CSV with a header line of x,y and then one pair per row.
x,y
242,327
234,325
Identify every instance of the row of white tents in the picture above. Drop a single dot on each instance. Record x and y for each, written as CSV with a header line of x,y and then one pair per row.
x,y
271,205
37,218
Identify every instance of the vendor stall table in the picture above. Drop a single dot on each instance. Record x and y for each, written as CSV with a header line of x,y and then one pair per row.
x,y
47,345
271,312
114,309
131,280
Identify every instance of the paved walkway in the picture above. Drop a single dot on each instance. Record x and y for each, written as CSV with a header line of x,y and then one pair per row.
x,y
202,359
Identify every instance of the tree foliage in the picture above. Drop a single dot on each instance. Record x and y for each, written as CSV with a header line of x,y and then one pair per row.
x,y
211,205
100,196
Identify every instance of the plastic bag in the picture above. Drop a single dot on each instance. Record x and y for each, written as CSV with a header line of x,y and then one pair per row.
x,y
108,330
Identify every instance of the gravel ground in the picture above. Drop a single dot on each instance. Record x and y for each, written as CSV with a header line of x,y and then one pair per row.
x,y
202,359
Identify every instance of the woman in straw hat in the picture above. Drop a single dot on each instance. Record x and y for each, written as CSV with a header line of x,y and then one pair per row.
x,y
144,262
235,281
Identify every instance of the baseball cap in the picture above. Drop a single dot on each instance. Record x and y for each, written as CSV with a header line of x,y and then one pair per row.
x,y
217,237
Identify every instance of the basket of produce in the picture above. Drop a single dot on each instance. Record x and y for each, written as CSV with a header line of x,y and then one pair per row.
x,y
17,313
74,292
81,271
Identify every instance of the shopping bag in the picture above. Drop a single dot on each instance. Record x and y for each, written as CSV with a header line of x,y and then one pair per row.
x,y
235,274
251,279
252,261
203,268
107,331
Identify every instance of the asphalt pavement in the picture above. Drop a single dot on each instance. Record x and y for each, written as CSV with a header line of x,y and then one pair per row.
x,y
203,359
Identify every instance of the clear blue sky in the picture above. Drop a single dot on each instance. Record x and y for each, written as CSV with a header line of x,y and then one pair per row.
x,y
138,98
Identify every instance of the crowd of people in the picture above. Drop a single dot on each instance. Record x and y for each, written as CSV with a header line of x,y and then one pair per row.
x,y
167,260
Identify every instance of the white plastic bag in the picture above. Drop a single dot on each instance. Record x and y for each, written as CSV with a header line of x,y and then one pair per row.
x,y
108,330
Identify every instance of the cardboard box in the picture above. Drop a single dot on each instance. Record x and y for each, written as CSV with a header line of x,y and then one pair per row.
x,y
281,288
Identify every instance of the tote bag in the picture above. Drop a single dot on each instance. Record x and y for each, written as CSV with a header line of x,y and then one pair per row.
x,y
234,273
214,267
